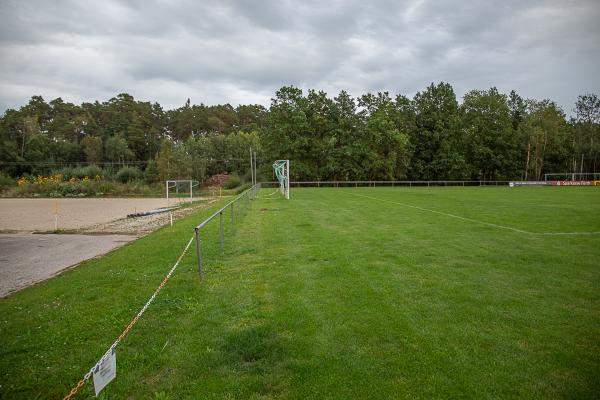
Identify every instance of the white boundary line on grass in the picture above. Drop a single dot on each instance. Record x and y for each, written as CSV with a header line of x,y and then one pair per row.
x,y
475,220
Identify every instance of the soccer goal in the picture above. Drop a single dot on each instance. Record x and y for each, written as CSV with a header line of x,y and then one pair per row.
x,y
282,173
181,190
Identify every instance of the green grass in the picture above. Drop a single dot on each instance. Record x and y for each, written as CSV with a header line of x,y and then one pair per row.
x,y
334,295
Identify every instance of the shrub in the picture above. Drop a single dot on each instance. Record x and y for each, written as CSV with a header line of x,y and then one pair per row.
x,y
151,172
6,181
247,177
80,172
232,182
93,170
128,174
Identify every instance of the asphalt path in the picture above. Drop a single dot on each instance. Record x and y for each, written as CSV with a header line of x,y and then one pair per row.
x,y
26,259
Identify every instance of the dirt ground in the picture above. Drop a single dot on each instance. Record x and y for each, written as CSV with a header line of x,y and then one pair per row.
x,y
37,215
90,228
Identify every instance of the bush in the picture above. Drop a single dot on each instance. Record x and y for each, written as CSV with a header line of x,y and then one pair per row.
x,y
6,181
66,172
80,172
128,174
151,172
232,182
92,170
247,177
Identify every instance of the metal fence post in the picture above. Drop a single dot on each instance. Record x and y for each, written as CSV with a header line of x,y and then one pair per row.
x,y
221,227
198,252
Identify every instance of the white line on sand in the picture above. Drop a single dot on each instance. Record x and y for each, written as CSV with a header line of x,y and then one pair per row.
x,y
475,220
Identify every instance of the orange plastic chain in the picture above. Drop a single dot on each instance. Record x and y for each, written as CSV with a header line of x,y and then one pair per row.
x,y
135,319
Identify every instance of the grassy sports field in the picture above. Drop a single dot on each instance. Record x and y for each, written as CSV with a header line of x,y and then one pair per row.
x,y
337,293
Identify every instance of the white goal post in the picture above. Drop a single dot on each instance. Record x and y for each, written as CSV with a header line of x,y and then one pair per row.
x,y
282,173
181,187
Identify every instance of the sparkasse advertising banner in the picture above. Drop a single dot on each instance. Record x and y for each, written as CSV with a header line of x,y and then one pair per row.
x,y
572,183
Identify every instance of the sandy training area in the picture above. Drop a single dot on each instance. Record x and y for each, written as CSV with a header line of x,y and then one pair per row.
x,y
37,215
94,226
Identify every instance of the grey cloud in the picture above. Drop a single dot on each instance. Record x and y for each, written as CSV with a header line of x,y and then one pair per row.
x,y
243,51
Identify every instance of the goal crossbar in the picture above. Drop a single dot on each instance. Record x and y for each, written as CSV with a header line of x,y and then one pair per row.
x,y
184,183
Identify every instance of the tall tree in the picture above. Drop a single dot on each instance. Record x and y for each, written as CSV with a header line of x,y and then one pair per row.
x,y
117,150
546,130
436,142
492,148
587,129
93,149
348,152
287,135
388,151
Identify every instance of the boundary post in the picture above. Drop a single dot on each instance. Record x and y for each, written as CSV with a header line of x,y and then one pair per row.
x,y
197,234
221,227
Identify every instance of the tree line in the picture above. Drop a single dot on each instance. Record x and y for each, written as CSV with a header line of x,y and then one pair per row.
x,y
431,136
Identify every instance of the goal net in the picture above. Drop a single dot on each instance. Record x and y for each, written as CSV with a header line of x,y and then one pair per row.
x,y
179,191
282,173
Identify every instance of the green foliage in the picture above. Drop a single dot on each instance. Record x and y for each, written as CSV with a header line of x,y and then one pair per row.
x,y
117,149
151,172
586,141
173,161
438,152
490,136
491,142
6,181
232,182
129,174
74,187
93,149
90,171
546,135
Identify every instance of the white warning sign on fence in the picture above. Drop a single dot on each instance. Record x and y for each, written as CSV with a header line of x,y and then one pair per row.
x,y
105,372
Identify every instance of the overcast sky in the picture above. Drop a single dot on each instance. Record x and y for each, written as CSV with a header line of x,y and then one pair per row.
x,y
243,51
